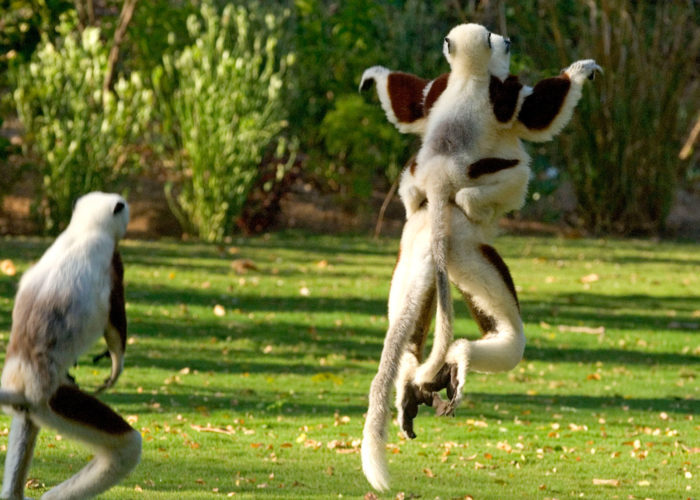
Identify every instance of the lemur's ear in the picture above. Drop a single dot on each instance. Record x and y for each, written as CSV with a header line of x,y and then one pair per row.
x,y
448,44
118,207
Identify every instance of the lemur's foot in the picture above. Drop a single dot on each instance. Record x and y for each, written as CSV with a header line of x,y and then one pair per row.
x,y
445,379
414,396
585,68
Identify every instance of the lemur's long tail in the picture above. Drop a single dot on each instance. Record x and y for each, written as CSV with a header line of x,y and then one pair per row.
x,y
439,212
374,463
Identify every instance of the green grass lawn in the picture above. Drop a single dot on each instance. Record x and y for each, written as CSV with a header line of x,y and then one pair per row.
x,y
254,384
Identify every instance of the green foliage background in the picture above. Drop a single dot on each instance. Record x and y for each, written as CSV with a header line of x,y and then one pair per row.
x,y
620,151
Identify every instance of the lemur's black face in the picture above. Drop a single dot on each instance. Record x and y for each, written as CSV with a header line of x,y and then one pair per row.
x,y
448,45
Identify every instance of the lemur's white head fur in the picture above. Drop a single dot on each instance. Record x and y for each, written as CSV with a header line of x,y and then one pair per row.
x,y
499,65
472,50
106,212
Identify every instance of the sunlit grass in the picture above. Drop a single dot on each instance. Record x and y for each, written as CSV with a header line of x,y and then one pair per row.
x,y
254,384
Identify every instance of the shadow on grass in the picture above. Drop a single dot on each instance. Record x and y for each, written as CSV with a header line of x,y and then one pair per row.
x,y
594,309
577,402
262,403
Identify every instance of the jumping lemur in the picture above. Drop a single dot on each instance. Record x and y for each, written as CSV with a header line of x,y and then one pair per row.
x,y
459,134
65,302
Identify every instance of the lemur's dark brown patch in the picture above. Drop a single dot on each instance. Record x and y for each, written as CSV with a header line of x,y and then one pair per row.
x,y
545,102
73,404
406,94
489,166
416,343
504,97
436,89
117,310
486,323
412,166
495,259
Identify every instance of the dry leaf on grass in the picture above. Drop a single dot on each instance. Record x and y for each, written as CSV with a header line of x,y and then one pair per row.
x,y
8,267
606,482
599,330
590,278
229,430
242,266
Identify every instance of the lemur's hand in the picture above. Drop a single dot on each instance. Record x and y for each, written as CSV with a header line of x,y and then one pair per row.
x,y
580,70
476,211
370,75
108,382
413,200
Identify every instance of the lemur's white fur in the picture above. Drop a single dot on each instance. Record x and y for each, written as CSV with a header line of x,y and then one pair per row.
x,y
541,113
63,305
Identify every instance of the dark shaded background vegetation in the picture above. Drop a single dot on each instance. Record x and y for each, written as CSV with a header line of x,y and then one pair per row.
x,y
620,153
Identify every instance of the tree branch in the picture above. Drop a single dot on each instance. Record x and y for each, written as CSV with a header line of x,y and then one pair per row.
x,y
119,33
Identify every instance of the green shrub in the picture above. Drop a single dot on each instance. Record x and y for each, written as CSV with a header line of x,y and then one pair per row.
x,y
336,42
221,101
360,138
82,139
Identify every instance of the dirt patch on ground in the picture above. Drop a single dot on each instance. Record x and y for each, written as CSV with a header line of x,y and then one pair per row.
x,y
304,207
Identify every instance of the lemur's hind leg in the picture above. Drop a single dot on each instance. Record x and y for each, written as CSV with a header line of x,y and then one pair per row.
x,y
20,448
115,444
483,277
412,286
408,395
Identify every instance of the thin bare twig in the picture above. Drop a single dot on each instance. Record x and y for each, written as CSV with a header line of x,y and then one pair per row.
x,y
119,34
692,139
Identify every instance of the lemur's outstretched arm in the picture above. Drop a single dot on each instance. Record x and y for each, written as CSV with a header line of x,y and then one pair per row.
x,y
405,98
547,107
551,103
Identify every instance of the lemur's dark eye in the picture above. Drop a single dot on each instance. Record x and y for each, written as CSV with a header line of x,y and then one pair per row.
x,y
489,39
118,207
449,45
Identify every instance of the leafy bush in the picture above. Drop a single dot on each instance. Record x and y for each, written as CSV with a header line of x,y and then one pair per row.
x,y
359,137
221,101
621,149
23,22
80,137
335,42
